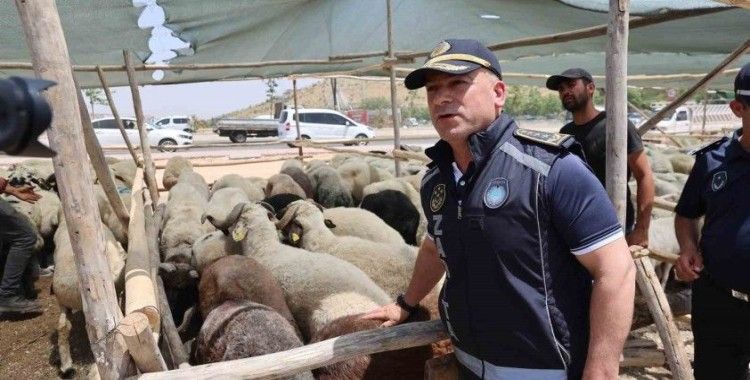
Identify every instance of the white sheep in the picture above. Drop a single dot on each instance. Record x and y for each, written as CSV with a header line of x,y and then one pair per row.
x,y
253,188
352,221
65,285
221,204
175,166
318,287
357,174
329,188
283,184
196,181
108,216
405,187
388,265
211,247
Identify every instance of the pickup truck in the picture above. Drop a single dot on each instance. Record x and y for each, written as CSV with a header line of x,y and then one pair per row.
x,y
238,130
689,119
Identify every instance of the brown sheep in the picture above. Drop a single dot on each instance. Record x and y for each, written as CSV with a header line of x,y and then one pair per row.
x,y
240,278
299,176
236,330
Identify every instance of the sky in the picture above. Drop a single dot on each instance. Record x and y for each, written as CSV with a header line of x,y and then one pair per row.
x,y
204,100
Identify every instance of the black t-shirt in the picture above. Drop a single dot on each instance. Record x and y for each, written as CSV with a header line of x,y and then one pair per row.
x,y
593,137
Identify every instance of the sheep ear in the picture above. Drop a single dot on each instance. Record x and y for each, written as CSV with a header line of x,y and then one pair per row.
x,y
167,267
268,206
329,223
203,218
235,214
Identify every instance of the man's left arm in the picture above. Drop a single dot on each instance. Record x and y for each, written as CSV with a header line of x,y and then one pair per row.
x,y
586,218
611,310
644,178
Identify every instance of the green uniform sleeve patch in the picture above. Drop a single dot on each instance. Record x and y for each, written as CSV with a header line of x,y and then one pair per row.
x,y
560,140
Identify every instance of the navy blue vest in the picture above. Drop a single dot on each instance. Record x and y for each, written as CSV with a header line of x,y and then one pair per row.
x,y
514,295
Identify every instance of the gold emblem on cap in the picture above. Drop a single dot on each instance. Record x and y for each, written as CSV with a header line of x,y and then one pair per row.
x,y
441,48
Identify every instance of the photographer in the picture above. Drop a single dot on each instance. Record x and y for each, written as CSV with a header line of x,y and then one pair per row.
x,y
18,234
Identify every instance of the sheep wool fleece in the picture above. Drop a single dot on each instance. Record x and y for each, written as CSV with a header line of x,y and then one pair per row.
x,y
515,300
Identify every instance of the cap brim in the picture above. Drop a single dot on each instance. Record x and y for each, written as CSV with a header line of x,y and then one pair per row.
x,y
36,149
417,78
553,82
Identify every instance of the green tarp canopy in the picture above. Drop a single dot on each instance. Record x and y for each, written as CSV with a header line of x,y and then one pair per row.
x,y
179,32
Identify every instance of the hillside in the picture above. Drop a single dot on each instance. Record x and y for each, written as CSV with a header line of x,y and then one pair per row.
x,y
351,92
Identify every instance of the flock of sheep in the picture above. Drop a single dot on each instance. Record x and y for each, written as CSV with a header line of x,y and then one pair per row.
x,y
253,266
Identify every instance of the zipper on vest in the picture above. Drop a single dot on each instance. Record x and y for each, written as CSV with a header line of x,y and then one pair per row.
x,y
460,210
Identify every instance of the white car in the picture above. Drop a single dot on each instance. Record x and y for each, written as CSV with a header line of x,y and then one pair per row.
x,y
179,122
165,139
322,124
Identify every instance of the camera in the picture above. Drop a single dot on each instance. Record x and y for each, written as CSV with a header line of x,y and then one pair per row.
x,y
24,115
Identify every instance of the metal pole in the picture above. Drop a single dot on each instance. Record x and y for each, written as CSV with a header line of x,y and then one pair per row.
x,y
705,109
394,100
296,115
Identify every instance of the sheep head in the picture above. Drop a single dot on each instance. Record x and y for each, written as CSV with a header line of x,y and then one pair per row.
x,y
244,217
298,217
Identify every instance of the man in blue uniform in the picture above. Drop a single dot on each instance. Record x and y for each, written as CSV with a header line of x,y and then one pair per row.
x,y
719,190
539,282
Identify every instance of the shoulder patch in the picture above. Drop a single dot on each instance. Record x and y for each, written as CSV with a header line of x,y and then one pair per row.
x,y
708,147
559,140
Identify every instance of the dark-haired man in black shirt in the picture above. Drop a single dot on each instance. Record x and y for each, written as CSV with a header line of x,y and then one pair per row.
x,y
576,88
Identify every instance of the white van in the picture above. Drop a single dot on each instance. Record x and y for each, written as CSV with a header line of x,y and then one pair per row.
x,y
180,122
322,124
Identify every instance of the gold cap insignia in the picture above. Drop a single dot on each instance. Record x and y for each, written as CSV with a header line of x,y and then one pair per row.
x,y
441,48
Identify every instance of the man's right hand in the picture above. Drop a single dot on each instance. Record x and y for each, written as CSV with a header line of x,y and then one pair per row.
x,y
25,193
391,315
689,265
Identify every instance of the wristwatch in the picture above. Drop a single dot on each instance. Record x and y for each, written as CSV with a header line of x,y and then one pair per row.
x,y
401,302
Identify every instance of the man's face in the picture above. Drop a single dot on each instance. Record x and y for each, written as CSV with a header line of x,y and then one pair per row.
x,y
575,94
463,104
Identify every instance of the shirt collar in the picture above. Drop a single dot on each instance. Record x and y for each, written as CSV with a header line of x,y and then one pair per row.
x,y
481,144
735,150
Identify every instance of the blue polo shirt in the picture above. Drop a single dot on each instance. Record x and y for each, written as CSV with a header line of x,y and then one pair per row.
x,y
719,189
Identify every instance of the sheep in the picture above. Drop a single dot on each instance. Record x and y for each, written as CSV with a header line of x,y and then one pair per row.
x,y
237,330
404,187
175,166
318,288
397,211
388,265
38,173
358,174
359,222
211,247
408,363
682,163
250,187
108,216
240,278
278,202
258,182
124,173
659,161
196,181
300,177
283,183
221,203
330,190
292,163
65,285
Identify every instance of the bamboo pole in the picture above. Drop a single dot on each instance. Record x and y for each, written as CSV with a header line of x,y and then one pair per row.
x,y
140,295
394,99
651,288
667,135
736,54
116,115
296,115
99,162
49,53
190,66
136,332
315,355
240,162
148,162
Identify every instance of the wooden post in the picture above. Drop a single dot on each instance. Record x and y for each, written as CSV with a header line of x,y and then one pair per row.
x,y
705,109
391,60
140,295
286,363
49,53
653,293
136,332
616,100
296,115
116,115
171,335
148,163
736,54
99,162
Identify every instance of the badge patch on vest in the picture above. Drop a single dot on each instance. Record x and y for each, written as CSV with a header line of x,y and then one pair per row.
x,y
496,193
438,197
719,180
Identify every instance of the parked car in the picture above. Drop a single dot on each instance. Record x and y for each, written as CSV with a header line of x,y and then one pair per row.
x,y
175,122
322,124
164,138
